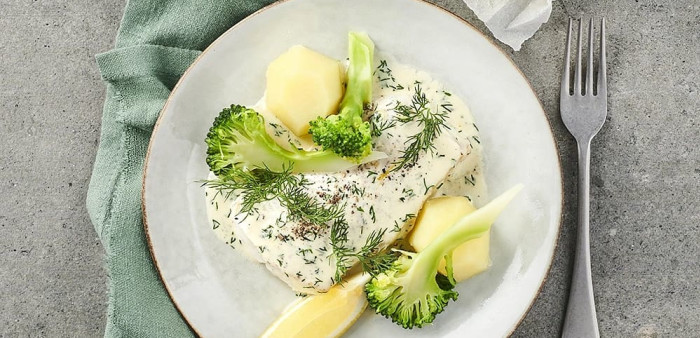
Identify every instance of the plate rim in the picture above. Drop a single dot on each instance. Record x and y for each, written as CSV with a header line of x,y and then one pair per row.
x,y
274,4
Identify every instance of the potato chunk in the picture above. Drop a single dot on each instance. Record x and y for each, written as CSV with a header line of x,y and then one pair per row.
x,y
302,85
437,215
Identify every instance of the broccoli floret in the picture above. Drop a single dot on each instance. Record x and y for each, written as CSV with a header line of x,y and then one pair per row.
x,y
238,139
408,292
346,133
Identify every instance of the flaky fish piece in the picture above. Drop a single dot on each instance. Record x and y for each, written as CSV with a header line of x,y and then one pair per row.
x,y
378,199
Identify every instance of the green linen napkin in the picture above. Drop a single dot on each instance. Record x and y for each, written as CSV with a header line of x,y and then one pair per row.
x,y
157,41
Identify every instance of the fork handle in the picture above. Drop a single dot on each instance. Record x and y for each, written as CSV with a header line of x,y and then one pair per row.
x,y
580,320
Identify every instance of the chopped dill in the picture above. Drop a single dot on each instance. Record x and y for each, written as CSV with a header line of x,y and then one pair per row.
x,y
407,194
408,217
385,77
427,187
357,191
397,227
469,179
377,127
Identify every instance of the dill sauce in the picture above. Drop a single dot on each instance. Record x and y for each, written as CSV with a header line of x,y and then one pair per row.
x,y
394,82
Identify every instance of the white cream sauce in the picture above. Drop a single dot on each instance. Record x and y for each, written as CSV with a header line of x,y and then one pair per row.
x,y
394,82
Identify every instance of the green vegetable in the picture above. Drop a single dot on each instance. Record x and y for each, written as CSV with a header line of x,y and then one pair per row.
x,y
346,133
238,139
410,292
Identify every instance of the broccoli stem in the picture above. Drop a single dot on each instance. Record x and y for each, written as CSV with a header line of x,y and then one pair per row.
x,y
359,87
473,225
271,153
345,133
424,269
408,292
467,228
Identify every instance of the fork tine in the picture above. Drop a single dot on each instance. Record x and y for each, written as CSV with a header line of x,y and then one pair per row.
x,y
602,68
577,71
589,68
566,78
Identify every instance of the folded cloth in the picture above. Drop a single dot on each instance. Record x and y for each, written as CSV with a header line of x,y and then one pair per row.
x,y
512,21
157,41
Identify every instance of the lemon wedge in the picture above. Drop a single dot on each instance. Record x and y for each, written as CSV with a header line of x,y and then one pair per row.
x,y
328,314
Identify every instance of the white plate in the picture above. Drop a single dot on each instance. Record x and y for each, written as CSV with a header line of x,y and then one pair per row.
x,y
221,294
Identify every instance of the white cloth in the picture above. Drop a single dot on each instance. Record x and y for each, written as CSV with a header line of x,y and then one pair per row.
x,y
512,21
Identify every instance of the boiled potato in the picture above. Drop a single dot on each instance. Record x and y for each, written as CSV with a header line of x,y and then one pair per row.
x,y
302,85
437,215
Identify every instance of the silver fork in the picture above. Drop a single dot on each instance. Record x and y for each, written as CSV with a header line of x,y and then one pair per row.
x,y
583,113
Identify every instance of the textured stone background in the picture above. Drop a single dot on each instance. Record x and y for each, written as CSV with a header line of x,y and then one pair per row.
x,y
645,176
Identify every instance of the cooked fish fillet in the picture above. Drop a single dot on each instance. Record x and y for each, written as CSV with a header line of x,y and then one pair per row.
x,y
375,198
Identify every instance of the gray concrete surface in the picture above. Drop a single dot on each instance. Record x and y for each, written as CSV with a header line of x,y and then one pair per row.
x,y
646,167
52,280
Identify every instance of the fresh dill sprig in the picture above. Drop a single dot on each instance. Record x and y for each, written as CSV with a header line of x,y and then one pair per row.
x,y
371,259
256,185
339,240
260,185
303,207
377,127
432,122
